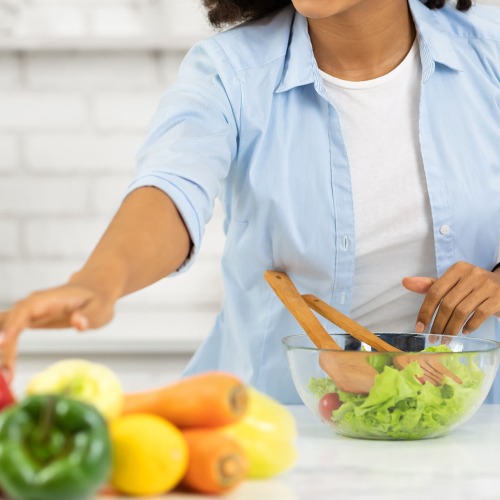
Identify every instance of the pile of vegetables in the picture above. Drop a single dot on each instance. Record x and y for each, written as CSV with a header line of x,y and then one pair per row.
x,y
76,432
399,406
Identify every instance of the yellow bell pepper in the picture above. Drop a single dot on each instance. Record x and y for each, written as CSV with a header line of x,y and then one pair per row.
x,y
267,433
92,383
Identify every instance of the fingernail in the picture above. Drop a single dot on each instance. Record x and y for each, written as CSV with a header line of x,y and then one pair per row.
x,y
2,338
419,327
433,338
465,332
82,322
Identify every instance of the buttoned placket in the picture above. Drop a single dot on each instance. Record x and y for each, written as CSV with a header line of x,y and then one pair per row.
x,y
343,208
436,187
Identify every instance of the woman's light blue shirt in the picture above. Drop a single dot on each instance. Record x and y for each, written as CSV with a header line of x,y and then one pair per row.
x,y
248,119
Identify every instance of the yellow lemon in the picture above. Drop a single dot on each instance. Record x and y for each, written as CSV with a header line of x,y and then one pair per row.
x,y
150,455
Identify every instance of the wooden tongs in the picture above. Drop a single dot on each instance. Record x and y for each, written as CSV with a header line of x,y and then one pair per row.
x,y
433,371
350,371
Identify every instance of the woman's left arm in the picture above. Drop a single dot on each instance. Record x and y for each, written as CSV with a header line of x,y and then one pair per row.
x,y
466,296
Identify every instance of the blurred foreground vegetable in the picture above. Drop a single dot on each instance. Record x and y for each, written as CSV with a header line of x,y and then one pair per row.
x,y
210,399
53,448
90,382
6,396
266,432
150,455
217,463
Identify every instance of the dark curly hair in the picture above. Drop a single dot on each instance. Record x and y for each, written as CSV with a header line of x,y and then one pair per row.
x,y
229,12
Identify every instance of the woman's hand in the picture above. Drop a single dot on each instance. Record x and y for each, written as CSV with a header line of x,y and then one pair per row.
x,y
466,296
146,241
65,306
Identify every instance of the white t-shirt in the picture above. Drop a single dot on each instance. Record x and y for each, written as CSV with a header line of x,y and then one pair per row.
x,y
393,223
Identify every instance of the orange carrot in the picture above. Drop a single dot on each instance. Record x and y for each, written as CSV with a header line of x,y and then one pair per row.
x,y
107,491
217,463
211,399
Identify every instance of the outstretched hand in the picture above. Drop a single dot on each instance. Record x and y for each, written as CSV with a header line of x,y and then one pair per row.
x,y
464,297
61,307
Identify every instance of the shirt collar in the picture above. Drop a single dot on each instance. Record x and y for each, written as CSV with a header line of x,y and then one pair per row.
x,y
300,66
435,42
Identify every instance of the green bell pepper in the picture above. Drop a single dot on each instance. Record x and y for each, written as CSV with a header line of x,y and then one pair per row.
x,y
53,448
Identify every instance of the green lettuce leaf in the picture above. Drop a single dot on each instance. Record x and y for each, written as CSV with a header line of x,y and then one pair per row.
x,y
399,406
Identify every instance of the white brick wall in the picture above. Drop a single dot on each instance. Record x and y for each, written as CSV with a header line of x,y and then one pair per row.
x,y
21,275
30,109
123,111
106,192
10,240
63,237
70,125
9,71
81,153
32,196
114,71
10,153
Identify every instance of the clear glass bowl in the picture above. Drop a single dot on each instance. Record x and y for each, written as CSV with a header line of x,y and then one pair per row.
x,y
399,406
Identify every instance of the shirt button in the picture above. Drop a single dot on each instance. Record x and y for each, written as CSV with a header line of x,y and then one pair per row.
x,y
444,229
346,243
342,298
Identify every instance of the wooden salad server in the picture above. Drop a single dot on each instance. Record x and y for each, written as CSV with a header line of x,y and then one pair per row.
x,y
350,372
433,371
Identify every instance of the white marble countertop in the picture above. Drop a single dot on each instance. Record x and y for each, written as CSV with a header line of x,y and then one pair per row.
x,y
464,465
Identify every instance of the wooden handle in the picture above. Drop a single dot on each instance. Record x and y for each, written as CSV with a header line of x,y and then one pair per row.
x,y
293,301
348,324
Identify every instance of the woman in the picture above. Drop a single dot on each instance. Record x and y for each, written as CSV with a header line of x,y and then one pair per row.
x,y
353,143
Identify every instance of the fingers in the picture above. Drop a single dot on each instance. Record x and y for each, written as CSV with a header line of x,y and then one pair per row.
x,y
65,306
3,316
13,323
92,315
464,297
40,309
79,321
17,319
8,350
435,294
480,315
418,284
454,309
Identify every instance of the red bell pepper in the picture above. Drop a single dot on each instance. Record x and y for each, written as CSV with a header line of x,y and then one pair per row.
x,y
6,396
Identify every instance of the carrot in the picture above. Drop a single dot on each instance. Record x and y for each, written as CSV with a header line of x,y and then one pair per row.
x,y
217,463
107,491
210,399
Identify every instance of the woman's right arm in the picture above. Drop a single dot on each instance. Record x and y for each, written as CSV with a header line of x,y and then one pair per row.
x,y
146,241
192,142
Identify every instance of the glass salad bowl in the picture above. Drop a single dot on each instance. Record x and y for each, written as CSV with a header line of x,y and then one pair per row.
x,y
401,404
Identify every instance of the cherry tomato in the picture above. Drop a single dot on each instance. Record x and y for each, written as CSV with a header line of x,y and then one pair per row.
x,y
328,403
